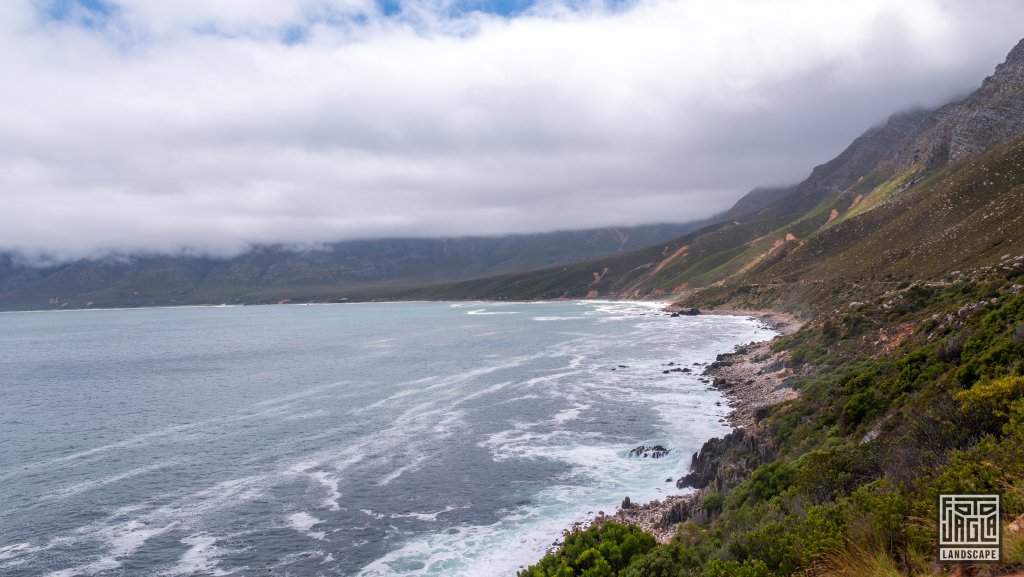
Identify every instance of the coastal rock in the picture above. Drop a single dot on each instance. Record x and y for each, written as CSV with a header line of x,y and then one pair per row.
x,y
754,376
689,509
647,516
723,462
654,452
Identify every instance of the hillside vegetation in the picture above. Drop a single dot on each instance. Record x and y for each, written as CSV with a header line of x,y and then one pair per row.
x,y
924,194
918,392
905,255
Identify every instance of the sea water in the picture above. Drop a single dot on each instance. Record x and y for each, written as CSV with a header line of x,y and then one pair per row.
x,y
386,439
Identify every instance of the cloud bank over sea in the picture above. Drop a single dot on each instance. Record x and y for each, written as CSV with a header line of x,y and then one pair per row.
x,y
181,125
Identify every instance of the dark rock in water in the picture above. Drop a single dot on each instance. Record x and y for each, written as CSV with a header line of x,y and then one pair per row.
x,y
671,364
655,452
677,370
623,367
690,312
626,503
669,480
674,314
687,370
665,372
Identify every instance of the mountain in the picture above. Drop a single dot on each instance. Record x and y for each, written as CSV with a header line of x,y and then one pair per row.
x,y
902,386
358,270
890,207
926,193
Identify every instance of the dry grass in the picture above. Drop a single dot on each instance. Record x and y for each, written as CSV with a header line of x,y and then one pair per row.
x,y
857,561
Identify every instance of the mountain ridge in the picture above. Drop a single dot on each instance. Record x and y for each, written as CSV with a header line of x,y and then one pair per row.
x,y
275,273
868,214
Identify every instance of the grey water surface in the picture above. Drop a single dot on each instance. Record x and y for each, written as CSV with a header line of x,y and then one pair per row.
x,y
356,440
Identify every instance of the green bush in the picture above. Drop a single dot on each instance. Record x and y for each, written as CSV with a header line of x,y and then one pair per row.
x,y
749,568
771,479
660,562
598,551
860,408
713,502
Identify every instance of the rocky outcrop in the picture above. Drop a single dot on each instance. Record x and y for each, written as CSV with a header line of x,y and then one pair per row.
x,y
967,128
682,510
647,516
654,451
723,463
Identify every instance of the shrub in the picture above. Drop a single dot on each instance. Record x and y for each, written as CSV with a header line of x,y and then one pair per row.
x,y
713,502
660,562
992,398
771,479
598,551
859,408
749,568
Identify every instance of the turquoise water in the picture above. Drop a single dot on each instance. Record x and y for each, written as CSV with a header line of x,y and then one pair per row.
x,y
357,440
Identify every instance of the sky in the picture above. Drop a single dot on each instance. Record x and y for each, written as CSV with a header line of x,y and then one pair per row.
x,y
210,126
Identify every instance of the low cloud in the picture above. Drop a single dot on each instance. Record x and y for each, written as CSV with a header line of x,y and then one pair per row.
x,y
170,125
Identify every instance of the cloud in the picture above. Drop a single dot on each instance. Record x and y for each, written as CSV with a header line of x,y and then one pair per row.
x,y
165,125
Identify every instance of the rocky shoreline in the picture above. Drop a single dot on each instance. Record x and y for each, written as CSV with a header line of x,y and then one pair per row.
x,y
752,377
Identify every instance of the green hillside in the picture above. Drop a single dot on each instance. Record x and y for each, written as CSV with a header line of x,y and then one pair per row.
x,y
905,258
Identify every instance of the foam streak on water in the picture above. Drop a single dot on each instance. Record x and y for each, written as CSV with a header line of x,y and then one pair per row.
x,y
371,440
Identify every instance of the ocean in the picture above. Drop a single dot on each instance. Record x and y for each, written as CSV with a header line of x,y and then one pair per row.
x,y
363,440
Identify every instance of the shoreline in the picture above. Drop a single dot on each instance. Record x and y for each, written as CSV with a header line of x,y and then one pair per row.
x,y
751,377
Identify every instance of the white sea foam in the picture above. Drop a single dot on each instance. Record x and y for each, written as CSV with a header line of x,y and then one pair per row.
x,y
303,522
122,540
428,517
570,414
264,409
477,550
202,555
79,488
374,514
407,467
331,484
16,550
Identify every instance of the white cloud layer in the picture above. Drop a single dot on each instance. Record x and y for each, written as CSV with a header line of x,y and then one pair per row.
x,y
204,125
